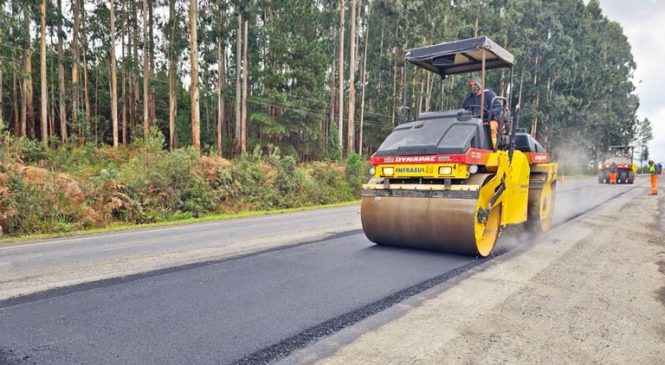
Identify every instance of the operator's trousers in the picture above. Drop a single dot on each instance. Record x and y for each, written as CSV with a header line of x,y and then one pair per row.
x,y
654,184
494,131
613,177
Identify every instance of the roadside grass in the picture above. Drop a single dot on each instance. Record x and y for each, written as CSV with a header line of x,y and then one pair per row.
x,y
121,227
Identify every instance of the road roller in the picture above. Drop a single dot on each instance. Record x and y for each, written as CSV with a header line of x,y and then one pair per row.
x,y
440,182
622,158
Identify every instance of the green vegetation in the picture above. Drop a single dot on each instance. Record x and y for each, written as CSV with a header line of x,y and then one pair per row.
x,y
574,71
73,187
273,95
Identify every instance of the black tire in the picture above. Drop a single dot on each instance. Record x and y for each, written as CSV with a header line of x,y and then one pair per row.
x,y
631,177
623,177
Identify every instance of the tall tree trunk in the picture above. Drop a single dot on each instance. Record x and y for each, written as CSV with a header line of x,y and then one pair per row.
x,y
394,109
51,120
536,102
333,98
503,71
76,9
96,119
146,71
206,106
194,56
172,95
96,102
364,83
352,82
85,123
383,32
61,79
245,90
22,131
421,94
86,97
134,70
16,96
475,28
152,112
238,83
26,112
130,67
43,114
428,91
340,116
2,111
123,76
220,76
114,79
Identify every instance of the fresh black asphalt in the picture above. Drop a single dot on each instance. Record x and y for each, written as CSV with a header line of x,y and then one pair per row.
x,y
216,313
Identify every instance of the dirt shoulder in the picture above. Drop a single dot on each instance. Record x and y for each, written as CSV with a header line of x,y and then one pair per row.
x,y
592,291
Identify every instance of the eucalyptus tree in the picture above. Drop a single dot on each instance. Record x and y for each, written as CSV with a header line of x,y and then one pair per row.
x,y
42,71
114,79
194,59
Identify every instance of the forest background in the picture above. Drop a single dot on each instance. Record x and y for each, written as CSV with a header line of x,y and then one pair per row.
x,y
151,110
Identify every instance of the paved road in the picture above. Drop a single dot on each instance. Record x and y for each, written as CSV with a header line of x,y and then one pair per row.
x,y
254,308
64,262
92,249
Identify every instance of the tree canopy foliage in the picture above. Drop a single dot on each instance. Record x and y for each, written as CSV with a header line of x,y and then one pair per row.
x,y
573,69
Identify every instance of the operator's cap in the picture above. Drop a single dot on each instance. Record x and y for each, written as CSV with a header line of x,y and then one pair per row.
x,y
474,80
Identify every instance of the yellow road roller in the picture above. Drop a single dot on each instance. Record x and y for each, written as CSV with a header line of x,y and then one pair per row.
x,y
441,182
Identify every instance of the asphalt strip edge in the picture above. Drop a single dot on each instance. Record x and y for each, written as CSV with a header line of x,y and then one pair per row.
x,y
64,290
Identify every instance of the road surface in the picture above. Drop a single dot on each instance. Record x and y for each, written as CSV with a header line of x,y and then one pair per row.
x,y
254,304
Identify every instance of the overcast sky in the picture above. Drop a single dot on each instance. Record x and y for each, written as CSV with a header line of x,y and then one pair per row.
x,y
642,22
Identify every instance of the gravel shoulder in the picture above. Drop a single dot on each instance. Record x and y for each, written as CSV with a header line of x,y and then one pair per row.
x,y
591,291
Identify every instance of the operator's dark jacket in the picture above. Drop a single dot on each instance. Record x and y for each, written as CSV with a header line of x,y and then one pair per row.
x,y
472,102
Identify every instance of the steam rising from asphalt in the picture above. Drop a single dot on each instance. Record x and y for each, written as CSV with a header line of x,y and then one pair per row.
x,y
573,198
573,155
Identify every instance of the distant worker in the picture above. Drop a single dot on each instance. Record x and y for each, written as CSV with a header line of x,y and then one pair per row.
x,y
613,173
492,112
654,178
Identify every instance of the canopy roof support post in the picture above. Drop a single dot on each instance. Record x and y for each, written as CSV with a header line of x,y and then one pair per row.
x,y
482,88
443,90
509,92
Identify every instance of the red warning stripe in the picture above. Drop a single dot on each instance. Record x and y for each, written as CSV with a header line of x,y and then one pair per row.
x,y
474,156
538,157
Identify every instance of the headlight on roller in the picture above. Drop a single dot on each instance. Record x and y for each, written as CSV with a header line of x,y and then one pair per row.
x,y
372,170
389,171
445,170
473,169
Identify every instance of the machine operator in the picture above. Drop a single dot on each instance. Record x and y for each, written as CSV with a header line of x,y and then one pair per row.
x,y
493,111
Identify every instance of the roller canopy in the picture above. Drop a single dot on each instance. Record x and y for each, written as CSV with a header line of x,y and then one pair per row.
x,y
460,56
